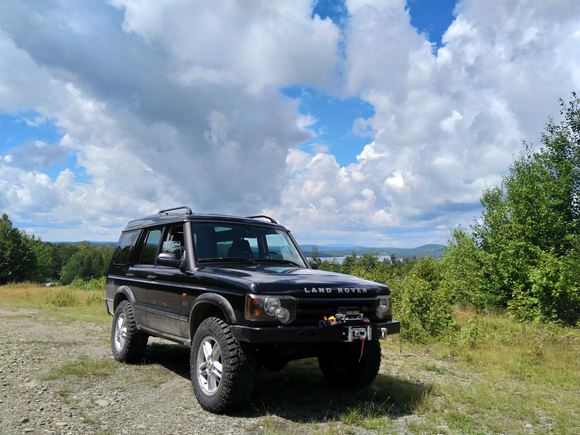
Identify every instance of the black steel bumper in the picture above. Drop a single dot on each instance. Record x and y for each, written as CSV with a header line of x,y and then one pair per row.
x,y
308,334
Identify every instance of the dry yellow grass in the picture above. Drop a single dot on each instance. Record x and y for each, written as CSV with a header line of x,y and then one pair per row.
x,y
64,302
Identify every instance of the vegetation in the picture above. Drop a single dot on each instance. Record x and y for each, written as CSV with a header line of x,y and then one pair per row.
x,y
488,374
25,257
523,254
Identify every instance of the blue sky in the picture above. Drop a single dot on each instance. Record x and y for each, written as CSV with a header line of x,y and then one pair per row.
x,y
359,122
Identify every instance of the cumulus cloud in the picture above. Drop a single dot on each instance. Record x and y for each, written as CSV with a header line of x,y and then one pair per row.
x,y
166,103
159,105
448,122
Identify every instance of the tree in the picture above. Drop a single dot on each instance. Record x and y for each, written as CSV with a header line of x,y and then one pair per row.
x,y
525,242
17,260
91,261
314,255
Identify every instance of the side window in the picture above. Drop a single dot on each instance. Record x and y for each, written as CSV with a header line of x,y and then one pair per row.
x,y
150,246
174,242
124,249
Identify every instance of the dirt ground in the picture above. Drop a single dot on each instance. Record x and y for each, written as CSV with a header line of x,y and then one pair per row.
x,y
41,391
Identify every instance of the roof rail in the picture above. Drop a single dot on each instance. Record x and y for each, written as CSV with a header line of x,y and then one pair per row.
x,y
262,216
176,208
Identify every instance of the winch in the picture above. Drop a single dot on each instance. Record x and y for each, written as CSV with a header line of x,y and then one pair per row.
x,y
346,315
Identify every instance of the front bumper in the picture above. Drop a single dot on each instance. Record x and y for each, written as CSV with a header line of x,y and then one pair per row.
x,y
308,334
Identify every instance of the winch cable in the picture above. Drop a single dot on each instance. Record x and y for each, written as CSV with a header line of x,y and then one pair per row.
x,y
362,346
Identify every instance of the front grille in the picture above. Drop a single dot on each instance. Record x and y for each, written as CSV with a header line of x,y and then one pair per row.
x,y
309,311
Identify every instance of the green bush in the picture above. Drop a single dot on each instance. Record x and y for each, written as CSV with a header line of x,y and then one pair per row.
x,y
65,298
422,304
93,284
555,292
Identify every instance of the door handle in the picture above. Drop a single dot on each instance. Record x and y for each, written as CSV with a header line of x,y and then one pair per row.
x,y
151,276
130,275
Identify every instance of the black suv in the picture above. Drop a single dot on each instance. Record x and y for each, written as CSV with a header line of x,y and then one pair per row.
x,y
242,295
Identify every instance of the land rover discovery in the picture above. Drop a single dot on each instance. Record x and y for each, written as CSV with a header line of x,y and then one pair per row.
x,y
242,295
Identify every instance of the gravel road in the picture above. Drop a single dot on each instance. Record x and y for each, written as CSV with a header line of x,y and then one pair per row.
x,y
40,392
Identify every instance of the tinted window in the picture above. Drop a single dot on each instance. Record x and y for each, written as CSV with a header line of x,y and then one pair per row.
x,y
124,249
150,246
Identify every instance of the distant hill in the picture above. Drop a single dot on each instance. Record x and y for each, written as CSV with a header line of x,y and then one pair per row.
x,y
330,251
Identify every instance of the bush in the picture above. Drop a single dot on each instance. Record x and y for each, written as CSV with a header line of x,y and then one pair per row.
x,y
555,292
422,304
65,298
93,284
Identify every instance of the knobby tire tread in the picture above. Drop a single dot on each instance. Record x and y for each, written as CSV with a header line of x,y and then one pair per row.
x,y
238,374
136,341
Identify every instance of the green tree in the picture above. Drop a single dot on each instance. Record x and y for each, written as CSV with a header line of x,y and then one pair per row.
x,y
43,253
90,262
522,251
17,259
314,255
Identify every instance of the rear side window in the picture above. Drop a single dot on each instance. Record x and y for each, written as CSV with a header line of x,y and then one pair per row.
x,y
150,246
124,249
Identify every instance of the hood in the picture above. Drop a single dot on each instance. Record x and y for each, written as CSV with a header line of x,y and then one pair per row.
x,y
284,280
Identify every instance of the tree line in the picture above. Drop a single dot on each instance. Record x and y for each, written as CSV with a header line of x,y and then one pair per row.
x,y
25,257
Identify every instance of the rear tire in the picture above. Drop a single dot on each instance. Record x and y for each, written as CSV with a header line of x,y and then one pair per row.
x,y
222,369
343,368
127,342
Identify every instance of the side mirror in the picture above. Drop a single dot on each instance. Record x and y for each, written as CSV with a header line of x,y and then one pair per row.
x,y
313,264
168,259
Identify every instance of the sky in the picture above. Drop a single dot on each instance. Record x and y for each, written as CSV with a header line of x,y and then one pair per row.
x,y
363,122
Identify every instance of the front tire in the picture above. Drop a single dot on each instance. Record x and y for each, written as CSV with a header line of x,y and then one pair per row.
x,y
127,342
222,369
343,368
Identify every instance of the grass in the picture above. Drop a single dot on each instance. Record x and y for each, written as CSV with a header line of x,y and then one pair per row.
x,y
515,378
493,376
85,366
64,303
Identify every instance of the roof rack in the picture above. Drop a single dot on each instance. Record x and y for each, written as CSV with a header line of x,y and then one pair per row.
x,y
176,208
262,216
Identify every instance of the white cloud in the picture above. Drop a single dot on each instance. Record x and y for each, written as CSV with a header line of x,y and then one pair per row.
x,y
166,103
446,124
252,44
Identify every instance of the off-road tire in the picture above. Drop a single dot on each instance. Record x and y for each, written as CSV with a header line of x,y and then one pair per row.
x,y
342,367
238,367
127,342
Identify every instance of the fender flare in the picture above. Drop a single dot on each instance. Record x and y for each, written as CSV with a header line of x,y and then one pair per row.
x,y
123,290
218,301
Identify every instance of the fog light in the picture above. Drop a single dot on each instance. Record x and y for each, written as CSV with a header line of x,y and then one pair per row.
x,y
271,305
283,315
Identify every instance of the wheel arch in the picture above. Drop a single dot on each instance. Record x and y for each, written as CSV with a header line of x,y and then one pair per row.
x,y
123,293
210,305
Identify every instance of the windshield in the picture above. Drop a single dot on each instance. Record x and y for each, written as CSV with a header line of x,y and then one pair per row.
x,y
217,241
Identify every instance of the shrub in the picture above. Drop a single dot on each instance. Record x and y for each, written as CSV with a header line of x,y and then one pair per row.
x,y
422,304
65,298
93,284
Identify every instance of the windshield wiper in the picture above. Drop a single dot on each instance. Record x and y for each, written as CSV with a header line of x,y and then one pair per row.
x,y
227,259
273,260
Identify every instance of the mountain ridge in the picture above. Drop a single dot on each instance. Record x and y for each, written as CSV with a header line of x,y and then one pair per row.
x,y
329,251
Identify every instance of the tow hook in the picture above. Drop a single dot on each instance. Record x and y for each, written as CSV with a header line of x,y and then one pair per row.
x,y
384,333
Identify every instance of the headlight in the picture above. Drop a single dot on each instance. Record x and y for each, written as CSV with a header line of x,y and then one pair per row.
x,y
268,308
383,306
